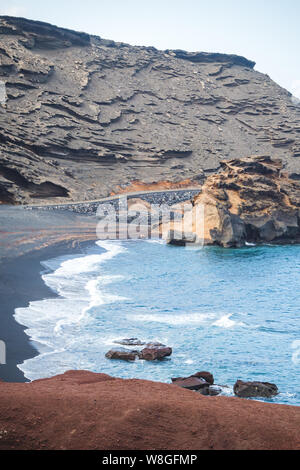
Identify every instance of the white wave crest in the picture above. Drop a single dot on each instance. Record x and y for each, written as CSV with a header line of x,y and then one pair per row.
x,y
54,324
226,322
205,319
170,319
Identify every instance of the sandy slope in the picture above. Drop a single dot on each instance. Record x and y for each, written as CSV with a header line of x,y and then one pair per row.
x,y
82,410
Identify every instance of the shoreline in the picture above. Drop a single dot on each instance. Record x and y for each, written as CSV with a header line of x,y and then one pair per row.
x,y
27,238
20,268
21,283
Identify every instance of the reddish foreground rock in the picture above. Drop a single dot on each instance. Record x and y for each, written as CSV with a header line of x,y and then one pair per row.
x,y
82,410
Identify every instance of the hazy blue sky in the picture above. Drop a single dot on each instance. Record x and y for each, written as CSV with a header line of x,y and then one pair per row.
x,y
266,31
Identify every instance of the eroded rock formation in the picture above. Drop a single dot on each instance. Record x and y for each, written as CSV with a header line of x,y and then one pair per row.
x,y
251,200
81,116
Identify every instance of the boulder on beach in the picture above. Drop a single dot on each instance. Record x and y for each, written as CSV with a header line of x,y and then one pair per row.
x,y
154,351
122,354
255,389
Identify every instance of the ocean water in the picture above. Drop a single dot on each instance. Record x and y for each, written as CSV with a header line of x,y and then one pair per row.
x,y
235,313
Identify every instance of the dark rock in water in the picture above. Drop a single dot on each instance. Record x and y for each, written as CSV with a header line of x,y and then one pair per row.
x,y
151,352
214,390
204,391
122,354
255,389
206,376
180,239
202,382
210,390
130,342
154,351
191,383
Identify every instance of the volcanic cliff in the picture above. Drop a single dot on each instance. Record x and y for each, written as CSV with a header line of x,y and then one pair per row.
x,y
82,116
250,200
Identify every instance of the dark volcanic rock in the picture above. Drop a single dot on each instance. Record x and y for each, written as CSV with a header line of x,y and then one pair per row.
x,y
192,383
151,352
255,389
154,351
206,376
214,390
81,116
122,354
210,391
201,381
204,391
180,239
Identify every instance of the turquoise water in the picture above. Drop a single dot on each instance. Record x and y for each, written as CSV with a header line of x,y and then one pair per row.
x,y
232,312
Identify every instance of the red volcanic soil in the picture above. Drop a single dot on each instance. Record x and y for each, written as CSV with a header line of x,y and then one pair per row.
x,y
82,410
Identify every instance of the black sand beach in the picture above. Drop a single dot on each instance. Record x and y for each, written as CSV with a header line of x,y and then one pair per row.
x,y
29,236
26,239
21,283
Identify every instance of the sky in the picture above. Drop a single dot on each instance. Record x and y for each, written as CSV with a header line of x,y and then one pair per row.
x,y
266,31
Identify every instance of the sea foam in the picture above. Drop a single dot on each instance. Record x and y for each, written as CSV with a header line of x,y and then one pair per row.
x,y
58,325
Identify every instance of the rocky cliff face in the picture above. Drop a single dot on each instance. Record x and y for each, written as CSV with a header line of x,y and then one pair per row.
x,y
81,116
250,200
